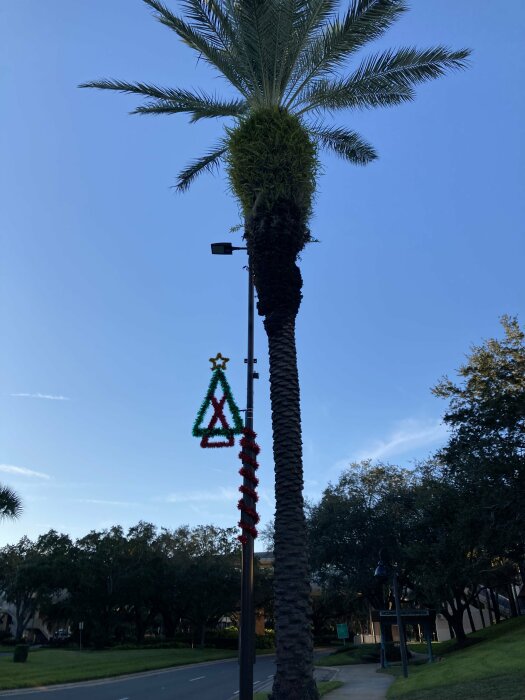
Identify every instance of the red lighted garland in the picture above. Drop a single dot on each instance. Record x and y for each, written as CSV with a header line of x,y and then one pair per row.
x,y
249,492
249,515
249,475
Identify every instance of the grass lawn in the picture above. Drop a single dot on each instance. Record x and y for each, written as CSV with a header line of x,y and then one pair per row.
x,y
492,669
49,666
358,654
323,687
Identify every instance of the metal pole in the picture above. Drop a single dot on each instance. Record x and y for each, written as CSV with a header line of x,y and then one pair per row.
x,y
402,641
246,642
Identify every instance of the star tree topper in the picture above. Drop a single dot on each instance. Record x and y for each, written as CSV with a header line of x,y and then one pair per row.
x,y
218,362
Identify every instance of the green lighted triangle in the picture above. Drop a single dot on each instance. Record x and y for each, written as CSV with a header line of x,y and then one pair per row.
x,y
199,430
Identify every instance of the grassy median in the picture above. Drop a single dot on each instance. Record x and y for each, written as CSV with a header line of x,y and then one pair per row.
x,y
491,669
50,666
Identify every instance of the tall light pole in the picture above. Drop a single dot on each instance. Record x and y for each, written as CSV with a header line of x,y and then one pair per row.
x,y
247,631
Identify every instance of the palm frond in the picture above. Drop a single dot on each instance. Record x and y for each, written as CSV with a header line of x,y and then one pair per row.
x,y
202,107
206,163
382,80
409,66
212,21
10,503
332,95
364,21
306,17
255,24
346,143
145,89
173,100
217,21
211,51
284,17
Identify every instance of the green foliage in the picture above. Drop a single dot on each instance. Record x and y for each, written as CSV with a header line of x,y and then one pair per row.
x,y
485,455
350,655
272,157
31,573
20,654
367,509
124,586
430,528
287,55
10,504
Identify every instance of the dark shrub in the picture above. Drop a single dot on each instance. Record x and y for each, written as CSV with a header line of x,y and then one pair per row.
x,y
20,653
266,640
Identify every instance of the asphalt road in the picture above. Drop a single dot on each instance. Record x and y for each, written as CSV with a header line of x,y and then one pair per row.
x,y
218,680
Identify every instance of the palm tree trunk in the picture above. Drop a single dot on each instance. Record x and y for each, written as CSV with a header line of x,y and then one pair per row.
x,y
274,237
293,612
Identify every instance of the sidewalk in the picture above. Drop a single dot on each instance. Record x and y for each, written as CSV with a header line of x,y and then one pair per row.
x,y
361,681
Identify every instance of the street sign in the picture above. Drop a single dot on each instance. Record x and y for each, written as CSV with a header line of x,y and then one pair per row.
x,y
342,631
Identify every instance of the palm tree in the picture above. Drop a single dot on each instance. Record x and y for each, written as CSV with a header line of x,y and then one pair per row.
x,y
290,62
10,504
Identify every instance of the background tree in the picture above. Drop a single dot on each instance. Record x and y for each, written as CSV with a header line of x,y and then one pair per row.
x,y
98,597
485,454
205,570
142,567
370,508
284,60
32,574
444,555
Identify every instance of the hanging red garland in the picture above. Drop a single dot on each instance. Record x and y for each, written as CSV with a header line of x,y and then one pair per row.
x,y
247,504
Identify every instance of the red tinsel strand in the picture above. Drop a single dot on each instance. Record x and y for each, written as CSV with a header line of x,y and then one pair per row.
x,y
242,539
205,443
247,442
247,455
248,459
248,528
249,492
249,511
251,477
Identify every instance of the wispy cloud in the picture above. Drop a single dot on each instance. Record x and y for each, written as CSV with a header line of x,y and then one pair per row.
x,y
199,496
49,397
409,434
102,502
22,471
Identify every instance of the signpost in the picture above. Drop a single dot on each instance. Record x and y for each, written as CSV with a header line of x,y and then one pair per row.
x,y
80,628
342,632
412,616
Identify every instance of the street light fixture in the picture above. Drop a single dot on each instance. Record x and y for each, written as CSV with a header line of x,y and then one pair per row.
x,y
247,631
224,248
381,574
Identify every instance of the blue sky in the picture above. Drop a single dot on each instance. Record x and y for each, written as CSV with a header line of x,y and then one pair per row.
x,y
111,304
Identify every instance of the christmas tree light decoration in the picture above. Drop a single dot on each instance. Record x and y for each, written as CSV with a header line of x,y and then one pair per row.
x,y
224,430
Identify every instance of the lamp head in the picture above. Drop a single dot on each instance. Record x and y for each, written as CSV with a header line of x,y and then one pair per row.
x,y
221,248
381,572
